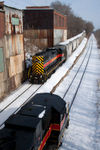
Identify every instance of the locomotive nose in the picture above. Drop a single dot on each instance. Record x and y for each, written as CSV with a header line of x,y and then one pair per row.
x,y
37,68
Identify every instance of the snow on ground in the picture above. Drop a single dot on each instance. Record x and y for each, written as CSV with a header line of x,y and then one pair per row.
x,y
4,115
61,71
13,95
84,128
47,87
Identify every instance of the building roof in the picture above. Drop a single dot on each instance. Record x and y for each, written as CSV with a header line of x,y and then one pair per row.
x,y
38,7
3,4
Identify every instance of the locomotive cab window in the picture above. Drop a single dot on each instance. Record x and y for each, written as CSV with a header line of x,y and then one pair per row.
x,y
53,52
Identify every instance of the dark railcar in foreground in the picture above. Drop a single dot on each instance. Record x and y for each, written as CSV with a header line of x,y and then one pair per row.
x,y
40,123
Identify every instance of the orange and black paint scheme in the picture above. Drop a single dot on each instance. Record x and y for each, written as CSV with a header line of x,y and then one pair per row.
x,y
38,125
45,63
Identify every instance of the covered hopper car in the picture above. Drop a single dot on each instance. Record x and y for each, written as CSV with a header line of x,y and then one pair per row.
x,y
38,124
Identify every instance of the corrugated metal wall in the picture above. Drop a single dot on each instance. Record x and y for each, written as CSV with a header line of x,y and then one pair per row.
x,y
38,19
12,52
14,45
1,24
35,40
2,58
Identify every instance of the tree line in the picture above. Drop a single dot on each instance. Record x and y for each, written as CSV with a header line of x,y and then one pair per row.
x,y
75,25
97,35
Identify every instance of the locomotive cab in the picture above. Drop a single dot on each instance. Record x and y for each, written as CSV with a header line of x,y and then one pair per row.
x,y
62,50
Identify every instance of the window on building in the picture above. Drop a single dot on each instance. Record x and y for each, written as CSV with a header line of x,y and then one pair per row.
x,y
59,21
15,22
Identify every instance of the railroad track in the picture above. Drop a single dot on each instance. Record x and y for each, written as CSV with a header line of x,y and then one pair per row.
x,y
84,63
3,105
80,69
22,98
19,101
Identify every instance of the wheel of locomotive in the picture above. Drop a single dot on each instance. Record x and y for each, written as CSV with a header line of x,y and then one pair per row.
x,y
60,143
29,74
67,124
45,77
52,147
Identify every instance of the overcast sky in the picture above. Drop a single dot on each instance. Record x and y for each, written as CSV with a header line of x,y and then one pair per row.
x,y
87,9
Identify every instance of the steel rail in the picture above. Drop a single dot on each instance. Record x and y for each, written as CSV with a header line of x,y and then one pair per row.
x,y
78,87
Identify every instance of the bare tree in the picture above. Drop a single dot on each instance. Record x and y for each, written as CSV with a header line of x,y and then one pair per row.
x,y
75,24
62,8
89,27
97,35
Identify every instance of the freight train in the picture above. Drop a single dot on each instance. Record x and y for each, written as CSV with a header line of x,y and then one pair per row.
x,y
39,124
43,64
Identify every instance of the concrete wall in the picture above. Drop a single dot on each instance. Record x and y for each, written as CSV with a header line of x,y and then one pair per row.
x,y
60,35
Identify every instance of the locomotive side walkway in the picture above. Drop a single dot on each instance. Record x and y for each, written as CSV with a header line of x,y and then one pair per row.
x,y
84,127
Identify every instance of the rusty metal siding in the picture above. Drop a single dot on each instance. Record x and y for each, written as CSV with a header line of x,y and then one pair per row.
x,y
60,21
36,40
2,26
14,45
43,27
13,51
11,14
14,41
38,29
16,65
13,32
50,38
38,19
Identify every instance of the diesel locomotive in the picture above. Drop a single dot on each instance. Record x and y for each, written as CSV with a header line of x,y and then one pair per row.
x,y
43,64
38,124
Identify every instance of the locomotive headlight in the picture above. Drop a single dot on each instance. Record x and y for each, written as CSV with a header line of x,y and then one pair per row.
x,y
41,76
30,76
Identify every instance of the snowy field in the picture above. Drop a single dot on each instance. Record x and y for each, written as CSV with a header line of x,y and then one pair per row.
x,y
84,128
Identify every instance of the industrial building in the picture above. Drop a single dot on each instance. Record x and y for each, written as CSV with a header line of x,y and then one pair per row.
x,y
11,49
43,27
